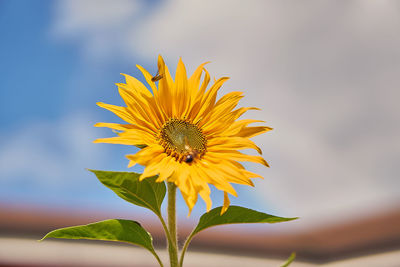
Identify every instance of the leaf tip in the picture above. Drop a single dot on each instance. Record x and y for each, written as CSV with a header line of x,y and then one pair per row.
x,y
43,238
291,258
91,170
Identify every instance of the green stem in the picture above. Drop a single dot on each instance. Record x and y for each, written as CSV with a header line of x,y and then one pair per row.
x,y
185,246
164,225
158,259
173,242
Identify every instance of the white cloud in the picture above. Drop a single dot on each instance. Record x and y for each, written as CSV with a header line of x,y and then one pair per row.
x,y
93,24
44,162
50,154
324,72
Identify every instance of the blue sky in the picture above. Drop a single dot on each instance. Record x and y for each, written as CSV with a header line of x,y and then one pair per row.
x,y
328,87
46,86
42,83
31,64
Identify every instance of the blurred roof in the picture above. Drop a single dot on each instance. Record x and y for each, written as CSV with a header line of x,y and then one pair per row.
x,y
368,235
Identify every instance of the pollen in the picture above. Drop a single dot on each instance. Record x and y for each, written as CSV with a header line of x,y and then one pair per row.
x,y
182,140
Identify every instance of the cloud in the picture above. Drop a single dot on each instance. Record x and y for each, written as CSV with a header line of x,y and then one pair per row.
x,y
325,76
51,156
324,73
95,24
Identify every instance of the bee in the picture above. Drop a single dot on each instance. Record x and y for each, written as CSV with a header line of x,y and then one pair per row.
x,y
156,78
192,153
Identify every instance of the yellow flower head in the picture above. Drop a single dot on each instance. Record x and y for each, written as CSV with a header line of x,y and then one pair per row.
x,y
188,137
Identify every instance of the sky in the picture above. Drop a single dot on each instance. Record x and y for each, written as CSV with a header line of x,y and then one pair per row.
x,y
324,73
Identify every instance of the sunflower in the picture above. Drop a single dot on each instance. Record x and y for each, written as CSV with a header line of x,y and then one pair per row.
x,y
186,136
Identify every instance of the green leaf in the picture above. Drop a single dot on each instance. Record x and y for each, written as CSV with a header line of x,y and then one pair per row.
x,y
109,230
147,193
290,260
235,214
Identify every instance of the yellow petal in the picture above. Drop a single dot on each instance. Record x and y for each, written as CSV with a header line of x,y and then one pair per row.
x,y
140,107
205,195
195,108
228,103
154,168
119,111
208,101
213,175
123,141
156,99
232,173
253,131
203,188
166,88
231,143
236,126
226,203
167,168
148,78
131,163
181,87
194,80
124,127
182,179
137,85
190,200
146,155
114,126
240,111
236,155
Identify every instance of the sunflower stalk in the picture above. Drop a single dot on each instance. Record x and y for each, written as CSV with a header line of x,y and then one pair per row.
x,y
171,210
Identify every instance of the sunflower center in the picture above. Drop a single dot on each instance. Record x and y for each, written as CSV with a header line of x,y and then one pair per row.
x,y
182,140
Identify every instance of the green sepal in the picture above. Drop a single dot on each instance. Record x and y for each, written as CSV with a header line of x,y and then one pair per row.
x,y
147,193
235,214
109,230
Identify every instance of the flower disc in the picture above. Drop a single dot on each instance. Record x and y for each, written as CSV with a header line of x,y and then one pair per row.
x,y
182,140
